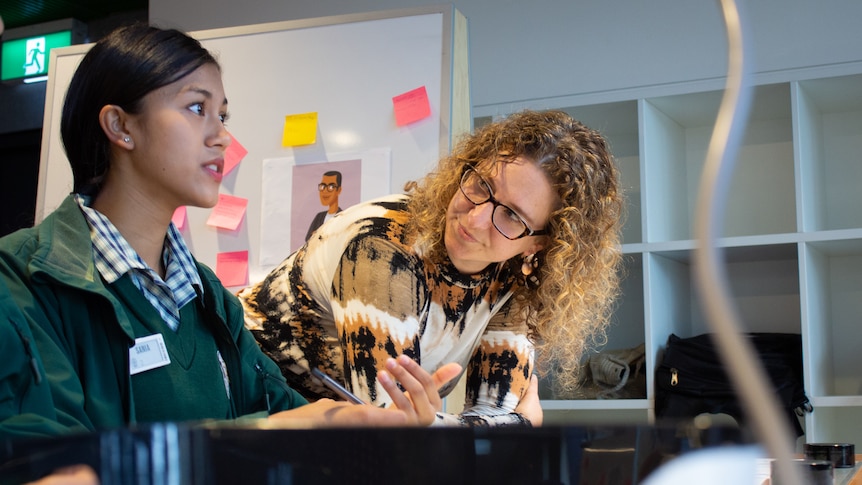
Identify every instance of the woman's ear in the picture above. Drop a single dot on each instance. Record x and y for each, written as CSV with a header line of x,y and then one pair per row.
x,y
535,248
113,120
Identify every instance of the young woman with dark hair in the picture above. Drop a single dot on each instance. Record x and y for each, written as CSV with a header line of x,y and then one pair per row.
x,y
130,327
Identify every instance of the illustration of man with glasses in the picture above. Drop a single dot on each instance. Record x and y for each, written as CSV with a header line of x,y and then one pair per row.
x,y
329,189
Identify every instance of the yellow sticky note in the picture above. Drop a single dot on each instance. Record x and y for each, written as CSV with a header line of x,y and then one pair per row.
x,y
299,129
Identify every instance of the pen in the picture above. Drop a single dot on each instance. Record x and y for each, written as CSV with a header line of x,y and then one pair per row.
x,y
336,387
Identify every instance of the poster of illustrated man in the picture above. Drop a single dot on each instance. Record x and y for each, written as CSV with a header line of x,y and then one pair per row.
x,y
321,190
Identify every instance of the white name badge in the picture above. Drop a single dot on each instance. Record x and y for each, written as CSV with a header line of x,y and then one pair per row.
x,y
148,353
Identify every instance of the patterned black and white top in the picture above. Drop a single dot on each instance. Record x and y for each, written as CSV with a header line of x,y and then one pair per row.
x,y
357,294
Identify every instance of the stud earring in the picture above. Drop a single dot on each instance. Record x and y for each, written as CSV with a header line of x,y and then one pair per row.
x,y
127,139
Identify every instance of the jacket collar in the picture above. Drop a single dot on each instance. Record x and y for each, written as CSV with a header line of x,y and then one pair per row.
x,y
65,251
64,254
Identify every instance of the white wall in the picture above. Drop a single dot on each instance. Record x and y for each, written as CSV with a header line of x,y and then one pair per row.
x,y
525,50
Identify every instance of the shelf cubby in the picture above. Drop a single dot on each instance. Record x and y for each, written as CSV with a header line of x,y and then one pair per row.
x,y
677,132
828,114
833,308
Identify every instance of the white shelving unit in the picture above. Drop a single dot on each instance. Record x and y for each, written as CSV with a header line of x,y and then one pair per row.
x,y
792,235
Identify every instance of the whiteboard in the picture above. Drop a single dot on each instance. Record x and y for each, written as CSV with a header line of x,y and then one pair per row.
x,y
345,68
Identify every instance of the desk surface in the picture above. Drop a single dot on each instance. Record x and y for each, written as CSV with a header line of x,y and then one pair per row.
x,y
849,476
208,454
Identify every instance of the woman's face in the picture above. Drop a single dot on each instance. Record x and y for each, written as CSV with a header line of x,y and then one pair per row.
x,y
179,141
471,239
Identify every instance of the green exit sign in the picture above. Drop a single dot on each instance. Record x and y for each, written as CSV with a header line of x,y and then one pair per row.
x,y
28,57
26,50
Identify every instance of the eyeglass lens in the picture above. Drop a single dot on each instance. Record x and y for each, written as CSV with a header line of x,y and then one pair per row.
x,y
477,191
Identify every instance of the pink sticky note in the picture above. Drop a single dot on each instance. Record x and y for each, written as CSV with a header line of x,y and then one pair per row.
x,y
228,212
232,268
179,217
233,155
411,106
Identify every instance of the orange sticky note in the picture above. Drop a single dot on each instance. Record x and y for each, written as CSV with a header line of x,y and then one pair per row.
x,y
411,106
232,268
228,212
179,217
233,155
299,129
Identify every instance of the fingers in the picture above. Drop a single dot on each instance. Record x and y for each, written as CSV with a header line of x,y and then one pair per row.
x,y
368,415
440,378
329,413
530,406
420,394
445,374
400,401
72,475
415,402
533,388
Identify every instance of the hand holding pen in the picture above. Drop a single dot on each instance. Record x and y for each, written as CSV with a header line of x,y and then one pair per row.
x,y
421,397
336,387
417,404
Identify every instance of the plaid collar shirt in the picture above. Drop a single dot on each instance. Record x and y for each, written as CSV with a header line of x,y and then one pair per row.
x,y
114,257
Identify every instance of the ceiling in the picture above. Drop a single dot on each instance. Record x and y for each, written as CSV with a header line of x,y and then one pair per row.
x,y
20,13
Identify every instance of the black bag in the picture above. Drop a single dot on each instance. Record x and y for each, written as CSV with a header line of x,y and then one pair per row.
x,y
690,379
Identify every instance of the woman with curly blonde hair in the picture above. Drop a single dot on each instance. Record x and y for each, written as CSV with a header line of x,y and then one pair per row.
x,y
509,248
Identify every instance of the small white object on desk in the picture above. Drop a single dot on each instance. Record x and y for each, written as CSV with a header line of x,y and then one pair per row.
x,y
712,466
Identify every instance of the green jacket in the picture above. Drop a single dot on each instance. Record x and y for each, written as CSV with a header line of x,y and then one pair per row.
x,y
83,333
26,407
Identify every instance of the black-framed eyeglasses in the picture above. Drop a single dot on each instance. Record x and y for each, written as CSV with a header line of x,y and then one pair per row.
x,y
507,222
327,187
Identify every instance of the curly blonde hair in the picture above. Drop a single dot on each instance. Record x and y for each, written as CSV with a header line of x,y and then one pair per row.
x,y
569,309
